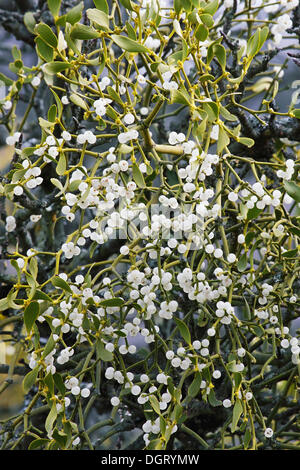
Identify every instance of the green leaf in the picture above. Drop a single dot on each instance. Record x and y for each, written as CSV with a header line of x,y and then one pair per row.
x,y
4,304
253,213
61,21
98,17
61,165
155,444
29,21
50,420
44,51
263,36
201,32
180,96
30,379
40,295
31,313
290,253
246,141
249,237
59,282
220,55
296,113
184,331
130,31
194,388
78,101
114,95
57,183
212,399
32,284
47,35
207,19
138,176
292,189
211,7
242,263
127,4
223,140
49,382
81,31
7,81
38,443
110,112
227,115
256,41
212,110
52,68
102,353
294,231
74,15
54,6
59,383
128,44
114,302
52,113
252,44
247,438
101,5
155,404
58,103
16,53
49,347
237,411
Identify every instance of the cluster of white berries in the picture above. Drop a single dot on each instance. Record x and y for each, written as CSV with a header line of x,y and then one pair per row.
x,y
86,137
70,250
125,137
288,173
169,84
152,43
153,427
260,198
10,223
72,384
101,104
167,309
283,23
176,138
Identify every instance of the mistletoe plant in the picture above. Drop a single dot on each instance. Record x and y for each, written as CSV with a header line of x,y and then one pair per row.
x,y
149,225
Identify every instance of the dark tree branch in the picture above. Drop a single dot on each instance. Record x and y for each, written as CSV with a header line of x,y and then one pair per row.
x,y
13,23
